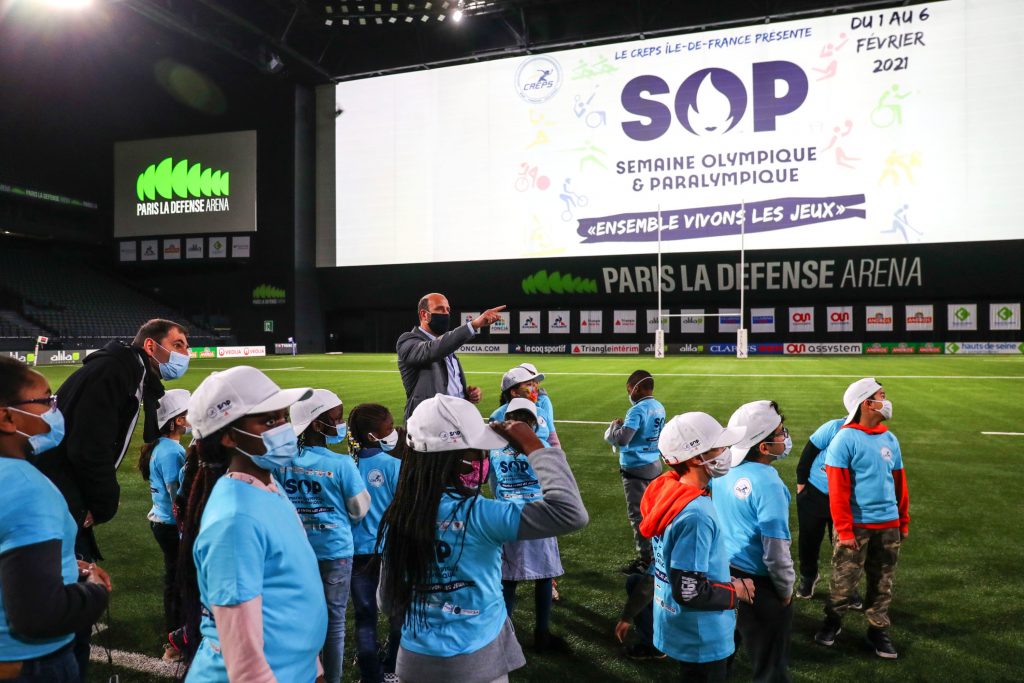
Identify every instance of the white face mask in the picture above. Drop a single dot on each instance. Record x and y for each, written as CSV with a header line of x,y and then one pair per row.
x,y
720,465
886,410
388,443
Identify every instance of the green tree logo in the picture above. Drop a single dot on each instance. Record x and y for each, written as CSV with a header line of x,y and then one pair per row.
x,y
169,180
962,314
267,292
542,282
1004,313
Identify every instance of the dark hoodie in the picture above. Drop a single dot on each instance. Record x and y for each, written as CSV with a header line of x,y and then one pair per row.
x,y
100,409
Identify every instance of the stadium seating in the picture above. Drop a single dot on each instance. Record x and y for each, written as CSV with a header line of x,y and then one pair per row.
x,y
75,304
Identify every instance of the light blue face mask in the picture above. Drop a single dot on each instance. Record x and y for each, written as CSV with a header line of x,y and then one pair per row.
x,y
175,366
40,443
281,444
341,430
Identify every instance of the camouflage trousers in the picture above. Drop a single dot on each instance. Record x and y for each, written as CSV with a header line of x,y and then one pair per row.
x,y
875,556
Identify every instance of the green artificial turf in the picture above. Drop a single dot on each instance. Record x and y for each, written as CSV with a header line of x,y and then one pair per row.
x,y
958,612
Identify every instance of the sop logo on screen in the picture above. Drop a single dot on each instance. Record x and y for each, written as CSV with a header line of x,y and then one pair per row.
x,y
712,101
538,79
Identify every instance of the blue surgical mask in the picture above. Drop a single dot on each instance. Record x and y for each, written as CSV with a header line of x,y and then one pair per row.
x,y
388,443
341,430
789,447
40,443
281,444
175,366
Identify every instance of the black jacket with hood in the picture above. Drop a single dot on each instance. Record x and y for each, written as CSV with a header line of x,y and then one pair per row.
x,y
100,406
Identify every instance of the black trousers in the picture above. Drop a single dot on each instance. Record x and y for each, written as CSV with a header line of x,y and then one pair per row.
x,y
764,629
815,518
166,536
705,672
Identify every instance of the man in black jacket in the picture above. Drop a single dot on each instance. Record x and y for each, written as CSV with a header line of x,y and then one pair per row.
x,y
101,403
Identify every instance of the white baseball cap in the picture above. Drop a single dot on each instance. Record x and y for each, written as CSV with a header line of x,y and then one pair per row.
x,y
529,366
690,434
759,419
225,396
521,404
857,393
303,412
449,423
173,403
518,375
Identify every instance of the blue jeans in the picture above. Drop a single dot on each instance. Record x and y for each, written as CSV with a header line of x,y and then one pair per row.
x,y
365,575
336,576
59,667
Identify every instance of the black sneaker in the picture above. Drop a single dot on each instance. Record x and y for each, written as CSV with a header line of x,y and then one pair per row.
x,y
805,590
828,632
856,603
641,651
879,640
637,566
545,642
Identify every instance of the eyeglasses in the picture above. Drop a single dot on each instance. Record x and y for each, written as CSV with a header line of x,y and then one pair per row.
x,y
48,401
784,434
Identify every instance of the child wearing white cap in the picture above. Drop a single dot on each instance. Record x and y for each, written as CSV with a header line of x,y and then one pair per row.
x,y
160,463
694,594
812,508
253,564
523,382
538,560
870,507
329,496
752,504
545,407
442,543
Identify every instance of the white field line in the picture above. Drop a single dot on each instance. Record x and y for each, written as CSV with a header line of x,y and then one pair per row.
x,y
680,374
131,660
1004,433
581,422
135,662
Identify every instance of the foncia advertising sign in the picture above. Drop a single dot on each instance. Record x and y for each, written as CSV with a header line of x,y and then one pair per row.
x,y
188,185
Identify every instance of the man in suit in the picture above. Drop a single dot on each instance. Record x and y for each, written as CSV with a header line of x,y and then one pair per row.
x,y
426,355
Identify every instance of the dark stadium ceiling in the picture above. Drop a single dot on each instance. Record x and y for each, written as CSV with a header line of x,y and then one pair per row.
x,y
315,41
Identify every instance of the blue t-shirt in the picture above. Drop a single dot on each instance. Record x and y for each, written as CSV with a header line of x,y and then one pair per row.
x,y
752,503
33,511
465,609
166,464
646,418
821,438
379,472
871,459
543,427
545,407
319,483
512,478
251,543
692,542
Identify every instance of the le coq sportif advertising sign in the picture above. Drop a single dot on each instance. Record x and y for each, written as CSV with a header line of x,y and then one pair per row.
x,y
186,185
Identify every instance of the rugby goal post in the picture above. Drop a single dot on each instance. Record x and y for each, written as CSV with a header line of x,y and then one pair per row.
x,y
741,333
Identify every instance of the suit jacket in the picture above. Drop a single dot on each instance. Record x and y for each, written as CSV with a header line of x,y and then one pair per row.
x,y
421,362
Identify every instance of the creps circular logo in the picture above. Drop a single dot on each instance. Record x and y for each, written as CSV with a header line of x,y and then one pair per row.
x,y
538,79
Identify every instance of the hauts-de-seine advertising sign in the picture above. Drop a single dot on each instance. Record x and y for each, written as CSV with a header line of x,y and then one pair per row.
x,y
186,185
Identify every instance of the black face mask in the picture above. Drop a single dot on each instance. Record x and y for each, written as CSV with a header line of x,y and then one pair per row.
x,y
438,323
